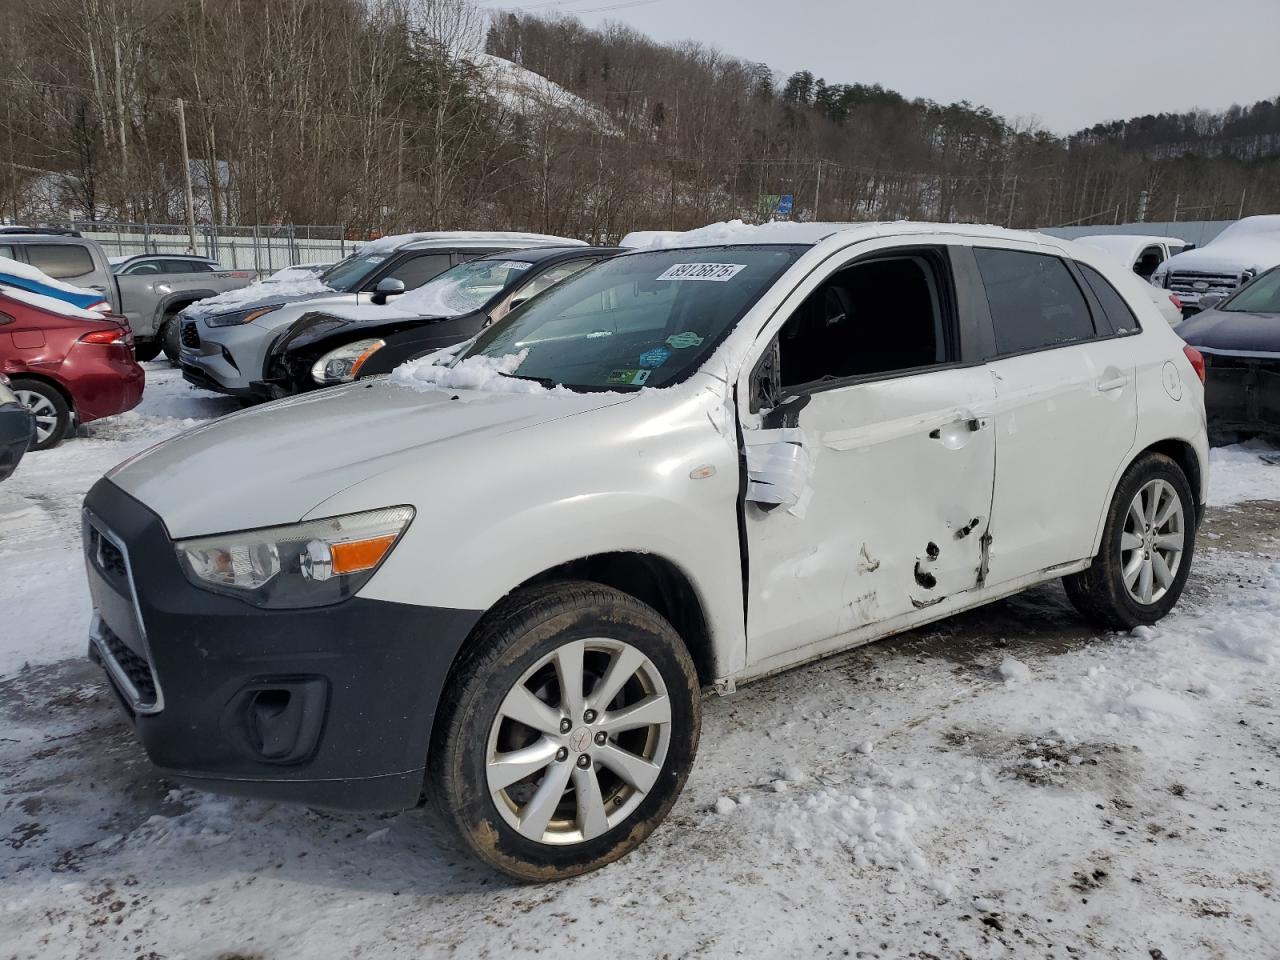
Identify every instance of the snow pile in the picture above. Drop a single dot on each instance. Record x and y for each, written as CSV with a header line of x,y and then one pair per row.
x,y
525,92
291,275
35,288
733,231
1014,670
293,288
513,239
1238,473
490,374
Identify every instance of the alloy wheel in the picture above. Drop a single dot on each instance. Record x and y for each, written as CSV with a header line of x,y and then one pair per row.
x,y
578,741
42,408
1152,541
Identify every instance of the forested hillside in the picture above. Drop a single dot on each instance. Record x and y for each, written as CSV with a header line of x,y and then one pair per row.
x,y
388,114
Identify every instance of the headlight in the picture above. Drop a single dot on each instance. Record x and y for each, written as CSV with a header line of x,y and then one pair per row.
x,y
343,365
307,564
1159,280
237,317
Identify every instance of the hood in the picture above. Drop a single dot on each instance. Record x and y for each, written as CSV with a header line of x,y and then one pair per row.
x,y
337,327
1228,255
273,464
1230,332
264,293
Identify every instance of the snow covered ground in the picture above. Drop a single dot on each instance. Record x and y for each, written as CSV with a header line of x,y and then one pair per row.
x,y
1008,783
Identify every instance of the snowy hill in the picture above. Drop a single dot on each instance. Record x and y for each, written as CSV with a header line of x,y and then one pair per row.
x,y
527,93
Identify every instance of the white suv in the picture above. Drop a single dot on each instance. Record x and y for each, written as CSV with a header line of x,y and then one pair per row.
x,y
502,577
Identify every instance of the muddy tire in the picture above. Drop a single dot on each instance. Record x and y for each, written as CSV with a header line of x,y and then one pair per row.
x,y
49,408
567,731
1147,546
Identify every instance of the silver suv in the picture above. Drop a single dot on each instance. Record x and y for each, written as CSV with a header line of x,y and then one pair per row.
x,y
225,341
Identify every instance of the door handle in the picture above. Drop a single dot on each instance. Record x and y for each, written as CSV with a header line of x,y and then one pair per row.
x,y
1113,383
955,434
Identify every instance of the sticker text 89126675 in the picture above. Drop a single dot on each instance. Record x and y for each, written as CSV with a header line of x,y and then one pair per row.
x,y
717,272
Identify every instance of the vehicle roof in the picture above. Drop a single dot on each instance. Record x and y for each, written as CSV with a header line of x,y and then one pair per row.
x,y
464,238
737,233
543,254
1125,245
44,236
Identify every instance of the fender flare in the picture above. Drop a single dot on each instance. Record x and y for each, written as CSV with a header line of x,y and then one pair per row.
x,y
163,308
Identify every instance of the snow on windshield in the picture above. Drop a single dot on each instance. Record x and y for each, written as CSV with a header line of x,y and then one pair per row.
x,y
23,282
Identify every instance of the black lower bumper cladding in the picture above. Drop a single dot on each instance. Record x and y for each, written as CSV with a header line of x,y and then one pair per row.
x,y
17,431
1242,393
330,706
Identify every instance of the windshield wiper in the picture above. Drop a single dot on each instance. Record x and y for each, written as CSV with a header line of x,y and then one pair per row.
x,y
544,381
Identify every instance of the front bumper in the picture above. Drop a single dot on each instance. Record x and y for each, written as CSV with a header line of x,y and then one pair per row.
x,y
17,429
225,359
1242,393
330,706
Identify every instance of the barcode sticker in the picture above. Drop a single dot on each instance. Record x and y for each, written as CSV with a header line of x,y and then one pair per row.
x,y
719,272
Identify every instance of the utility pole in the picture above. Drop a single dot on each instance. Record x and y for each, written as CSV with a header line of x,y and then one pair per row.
x,y
186,173
1013,201
1177,202
817,192
1143,198
1240,215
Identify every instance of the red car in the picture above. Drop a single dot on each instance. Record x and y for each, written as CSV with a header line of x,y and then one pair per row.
x,y
67,369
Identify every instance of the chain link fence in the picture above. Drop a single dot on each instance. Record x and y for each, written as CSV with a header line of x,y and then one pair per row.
x,y
263,248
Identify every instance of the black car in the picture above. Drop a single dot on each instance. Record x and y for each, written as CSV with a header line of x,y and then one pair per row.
x,y
324,348
1240,340
17,429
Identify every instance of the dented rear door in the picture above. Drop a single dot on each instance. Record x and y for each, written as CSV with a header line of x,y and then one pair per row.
x,y
894,495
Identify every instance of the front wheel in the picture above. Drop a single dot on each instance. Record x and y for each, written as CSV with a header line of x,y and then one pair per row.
x,y
1147,544
168,337
568,731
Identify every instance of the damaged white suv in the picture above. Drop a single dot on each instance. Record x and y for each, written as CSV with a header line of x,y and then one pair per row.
x,y
501,578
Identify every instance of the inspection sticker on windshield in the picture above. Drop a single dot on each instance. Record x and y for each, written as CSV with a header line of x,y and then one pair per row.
x,y
633,377
655,357
719,272
682,340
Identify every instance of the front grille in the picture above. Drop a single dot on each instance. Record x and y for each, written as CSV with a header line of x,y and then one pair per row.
x,y
131,665
1201,284
190,334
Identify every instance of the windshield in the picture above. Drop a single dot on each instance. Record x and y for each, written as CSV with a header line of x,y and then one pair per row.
x,y
347,275
462,289
639,319
1260,296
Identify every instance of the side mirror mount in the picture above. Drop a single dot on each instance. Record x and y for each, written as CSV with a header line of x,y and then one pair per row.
x,y
1210,300
766,380
387,287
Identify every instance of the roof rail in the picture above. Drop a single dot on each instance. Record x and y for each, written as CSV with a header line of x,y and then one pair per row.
x,y
42,231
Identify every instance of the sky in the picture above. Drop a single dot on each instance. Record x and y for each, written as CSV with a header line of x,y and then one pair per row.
x,y
1066,65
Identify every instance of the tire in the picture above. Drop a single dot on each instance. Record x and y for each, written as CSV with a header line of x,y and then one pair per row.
x,y
49,407
168,337
1157,568
144,350
525,643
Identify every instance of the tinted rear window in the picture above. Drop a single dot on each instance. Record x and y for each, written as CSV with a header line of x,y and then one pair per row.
x,y
61,261
1114,307
1035,302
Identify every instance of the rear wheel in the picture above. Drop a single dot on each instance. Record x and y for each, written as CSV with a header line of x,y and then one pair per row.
x,y
48,406
568,731
1147,545
168,337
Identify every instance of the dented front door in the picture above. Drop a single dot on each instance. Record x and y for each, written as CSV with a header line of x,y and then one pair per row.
x,y
894,495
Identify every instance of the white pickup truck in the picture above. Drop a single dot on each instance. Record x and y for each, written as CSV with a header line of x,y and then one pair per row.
x,y
1234,257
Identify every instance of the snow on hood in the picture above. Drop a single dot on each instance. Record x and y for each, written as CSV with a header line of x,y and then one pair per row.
x,y
26,284
264,292
735,232
1249,244
490,374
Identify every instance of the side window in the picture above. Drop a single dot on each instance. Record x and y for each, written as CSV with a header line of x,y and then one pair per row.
x,y
145,267
1035,301
414,271
8,252
1146,264
203,266
553,276
175,266
1117,311
62,261
462,256
875,317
